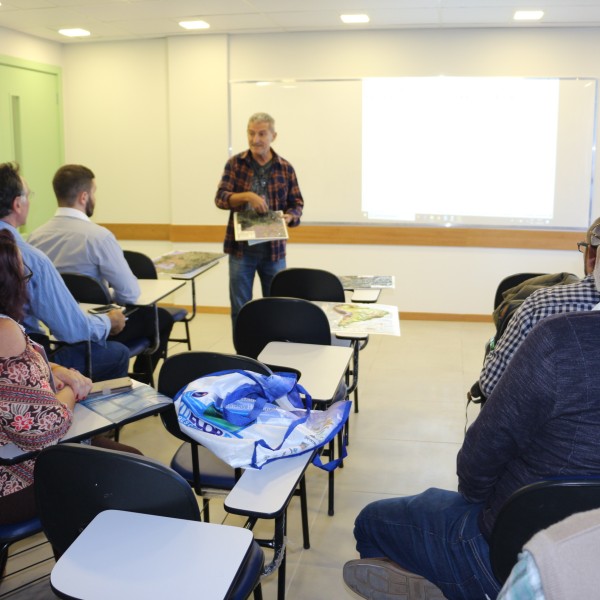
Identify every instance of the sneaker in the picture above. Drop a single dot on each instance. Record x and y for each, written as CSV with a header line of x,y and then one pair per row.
x,y
382,579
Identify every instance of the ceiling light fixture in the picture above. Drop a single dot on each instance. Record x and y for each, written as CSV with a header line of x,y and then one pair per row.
x,y
352,19
74,32
528,15
194,24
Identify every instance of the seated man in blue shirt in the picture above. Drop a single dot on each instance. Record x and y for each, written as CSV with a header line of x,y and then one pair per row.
x,y
51,302
75,244
542,420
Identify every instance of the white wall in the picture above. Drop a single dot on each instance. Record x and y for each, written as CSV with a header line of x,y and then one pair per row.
x,y
19,45
151,119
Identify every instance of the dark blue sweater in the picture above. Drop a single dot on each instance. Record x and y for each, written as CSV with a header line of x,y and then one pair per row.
x,y
542,419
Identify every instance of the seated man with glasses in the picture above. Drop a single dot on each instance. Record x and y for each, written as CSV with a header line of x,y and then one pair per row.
x,y
547,301
51,303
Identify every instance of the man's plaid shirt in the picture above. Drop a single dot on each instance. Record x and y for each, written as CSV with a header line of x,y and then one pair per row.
x,y
283,194
541,304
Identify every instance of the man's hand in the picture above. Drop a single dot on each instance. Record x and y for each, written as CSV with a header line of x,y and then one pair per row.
x,y
117,321
258,203
80,384
254,201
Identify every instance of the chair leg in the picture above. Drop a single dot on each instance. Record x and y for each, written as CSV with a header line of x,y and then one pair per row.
x,y
258,592
3,559
280,533
304,513
205,510
330,509
187,335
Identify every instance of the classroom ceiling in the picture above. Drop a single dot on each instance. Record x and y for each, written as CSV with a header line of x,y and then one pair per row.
x,y
110,20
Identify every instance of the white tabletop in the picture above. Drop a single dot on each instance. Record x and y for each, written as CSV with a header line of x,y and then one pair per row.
x,y
122,555
153,290
321,367
363,295
85,423
264,493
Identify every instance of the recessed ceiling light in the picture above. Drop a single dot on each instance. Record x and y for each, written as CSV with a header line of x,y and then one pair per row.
x,y
194,24
354,18
75,32
528,15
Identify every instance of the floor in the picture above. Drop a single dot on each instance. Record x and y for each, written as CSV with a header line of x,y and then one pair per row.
x,y
404,439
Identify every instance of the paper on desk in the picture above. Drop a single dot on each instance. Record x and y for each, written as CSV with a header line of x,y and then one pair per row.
x,y
178,263
348,318
362,282
121,406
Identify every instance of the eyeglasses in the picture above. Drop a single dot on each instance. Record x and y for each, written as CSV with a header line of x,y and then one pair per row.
x,y
594,240
28,275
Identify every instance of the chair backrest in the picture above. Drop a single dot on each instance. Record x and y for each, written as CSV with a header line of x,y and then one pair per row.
x,y
533,508
75,482
310,284
277,319
509,282
180,369
86,289
140,264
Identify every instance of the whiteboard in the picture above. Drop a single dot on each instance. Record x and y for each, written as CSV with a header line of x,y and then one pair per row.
x,y
320,131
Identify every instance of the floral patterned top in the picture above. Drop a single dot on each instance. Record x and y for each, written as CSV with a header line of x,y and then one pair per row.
x,y
31,416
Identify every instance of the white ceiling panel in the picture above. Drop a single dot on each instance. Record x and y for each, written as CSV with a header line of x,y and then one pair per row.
x,y
132,19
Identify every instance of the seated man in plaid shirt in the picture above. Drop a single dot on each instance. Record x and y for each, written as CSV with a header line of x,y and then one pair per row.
x,y
583,295
261,180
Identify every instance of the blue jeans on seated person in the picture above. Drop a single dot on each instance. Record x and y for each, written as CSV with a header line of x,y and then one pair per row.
x,y
256,259
434,534
108,362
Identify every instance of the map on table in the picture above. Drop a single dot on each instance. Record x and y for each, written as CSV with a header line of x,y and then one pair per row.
x,y
178,263
355,318
366,282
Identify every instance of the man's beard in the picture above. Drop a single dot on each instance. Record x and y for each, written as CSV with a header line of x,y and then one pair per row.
x,y
597,273
89,208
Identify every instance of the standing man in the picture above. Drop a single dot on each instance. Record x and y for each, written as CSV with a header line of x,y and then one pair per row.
x,y
257,179
75,244
51,302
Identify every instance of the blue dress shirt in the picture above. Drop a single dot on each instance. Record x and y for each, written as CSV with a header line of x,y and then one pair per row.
x,y
51,302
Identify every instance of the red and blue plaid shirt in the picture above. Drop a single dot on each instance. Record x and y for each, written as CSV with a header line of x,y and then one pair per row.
x,y
283,194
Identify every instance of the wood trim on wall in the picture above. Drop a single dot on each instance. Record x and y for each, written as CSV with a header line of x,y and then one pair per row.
x,y
369,235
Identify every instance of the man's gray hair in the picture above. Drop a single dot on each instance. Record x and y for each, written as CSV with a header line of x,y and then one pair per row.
x,y
263,117
590,231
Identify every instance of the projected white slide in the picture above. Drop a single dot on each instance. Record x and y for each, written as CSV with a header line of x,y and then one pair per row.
x,y
459,147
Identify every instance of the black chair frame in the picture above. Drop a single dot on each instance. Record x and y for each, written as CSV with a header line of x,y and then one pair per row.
x,y
143,267
533,508
177,371
75,482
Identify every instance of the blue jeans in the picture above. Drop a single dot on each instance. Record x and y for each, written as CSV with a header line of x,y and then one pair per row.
x,y
108,362
256,259
434,534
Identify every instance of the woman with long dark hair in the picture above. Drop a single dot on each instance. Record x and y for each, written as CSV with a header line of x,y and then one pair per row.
x,y
37,398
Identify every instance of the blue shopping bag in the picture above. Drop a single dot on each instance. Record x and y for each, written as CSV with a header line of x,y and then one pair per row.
x,y
249,419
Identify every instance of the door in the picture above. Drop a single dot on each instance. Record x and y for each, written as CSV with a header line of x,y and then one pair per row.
x,y
31,130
